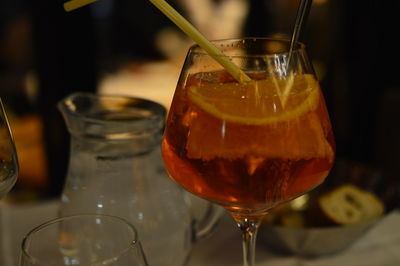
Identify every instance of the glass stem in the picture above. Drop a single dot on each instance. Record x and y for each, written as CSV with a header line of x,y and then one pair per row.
x,y
249,229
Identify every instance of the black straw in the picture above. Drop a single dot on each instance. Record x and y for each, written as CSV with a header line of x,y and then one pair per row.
x,y
301,16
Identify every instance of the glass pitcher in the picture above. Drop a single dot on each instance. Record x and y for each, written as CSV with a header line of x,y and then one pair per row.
x,y
115,168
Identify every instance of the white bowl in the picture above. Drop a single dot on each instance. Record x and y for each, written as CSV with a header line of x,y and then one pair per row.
x,y
312,242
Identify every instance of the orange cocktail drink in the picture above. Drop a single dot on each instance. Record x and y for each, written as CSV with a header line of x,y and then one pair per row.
x,y
248,146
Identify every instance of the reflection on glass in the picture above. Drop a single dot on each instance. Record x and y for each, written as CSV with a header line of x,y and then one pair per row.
x,y
8,155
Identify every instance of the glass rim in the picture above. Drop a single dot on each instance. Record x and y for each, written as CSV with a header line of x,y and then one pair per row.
x,y
134,242
112,117
300,46
159,109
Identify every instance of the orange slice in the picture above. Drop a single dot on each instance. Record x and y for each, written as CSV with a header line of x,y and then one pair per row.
x,y
258,102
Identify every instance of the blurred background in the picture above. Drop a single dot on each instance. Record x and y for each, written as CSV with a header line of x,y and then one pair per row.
x,y
120,46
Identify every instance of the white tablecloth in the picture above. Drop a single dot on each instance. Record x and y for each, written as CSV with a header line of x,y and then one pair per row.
x,y
379,247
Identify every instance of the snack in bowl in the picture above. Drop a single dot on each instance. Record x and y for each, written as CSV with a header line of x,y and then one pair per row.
x,y
349,205
335,216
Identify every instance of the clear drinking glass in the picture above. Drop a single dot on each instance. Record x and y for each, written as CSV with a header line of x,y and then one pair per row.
x,y
8,155
87,239
248,146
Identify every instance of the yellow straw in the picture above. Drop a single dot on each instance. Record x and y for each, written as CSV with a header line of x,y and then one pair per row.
x,y
202,41
187,28
75,4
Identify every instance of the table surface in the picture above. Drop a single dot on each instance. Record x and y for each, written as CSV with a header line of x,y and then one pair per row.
x,y
379,247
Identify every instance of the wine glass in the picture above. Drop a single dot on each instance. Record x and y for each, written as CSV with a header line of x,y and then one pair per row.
x,y
84,239
248,145
8,155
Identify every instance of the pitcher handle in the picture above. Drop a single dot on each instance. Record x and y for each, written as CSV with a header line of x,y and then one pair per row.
x,y
209,223
205,224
